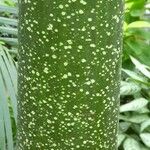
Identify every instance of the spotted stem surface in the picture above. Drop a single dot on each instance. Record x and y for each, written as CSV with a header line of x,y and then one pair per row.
x,y
69,74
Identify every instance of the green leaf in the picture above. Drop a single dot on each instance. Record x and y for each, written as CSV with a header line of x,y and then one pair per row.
x,y
140,67
129,88
137,12
145,138
124,126
12,68
11,41
8,9
135,76
143,110
138,33
137,9
121,138
134,118
131,144
139,49
8,2
144,148
145,125
2,128
139,24
9,30
135,128
8,21
9,79
8,101
134,105
7,120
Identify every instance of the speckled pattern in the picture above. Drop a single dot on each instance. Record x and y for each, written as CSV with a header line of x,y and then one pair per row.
x,y
69,74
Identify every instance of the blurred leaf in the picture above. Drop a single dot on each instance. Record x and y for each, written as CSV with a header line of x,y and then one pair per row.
x,y
138,12
8,2
138,33
2,128
129,88
11,41
131,144
9,78
144,148
124,126
135,76
121,137
8,21
7,120
8,30
139,118
136,128
140,67
143,110
134,105
8,9
137,8
145,125
125,25
139,49
139,24
145,138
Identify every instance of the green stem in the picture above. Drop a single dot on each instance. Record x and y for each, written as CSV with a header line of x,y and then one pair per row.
x,y
69,74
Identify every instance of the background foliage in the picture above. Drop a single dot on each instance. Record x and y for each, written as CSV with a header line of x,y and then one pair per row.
x,y
134,127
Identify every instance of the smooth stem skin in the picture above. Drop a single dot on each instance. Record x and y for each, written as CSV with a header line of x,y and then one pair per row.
x,y
69,74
